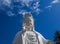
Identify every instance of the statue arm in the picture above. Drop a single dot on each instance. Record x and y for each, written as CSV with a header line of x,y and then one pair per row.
x,y
46,41
43,40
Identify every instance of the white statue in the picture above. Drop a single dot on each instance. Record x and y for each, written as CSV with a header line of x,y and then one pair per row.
x,y
28,35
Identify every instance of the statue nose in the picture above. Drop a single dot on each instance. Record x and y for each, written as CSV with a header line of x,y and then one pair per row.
x,y
28,21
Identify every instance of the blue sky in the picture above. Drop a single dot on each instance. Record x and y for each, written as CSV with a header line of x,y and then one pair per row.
x,y
46,15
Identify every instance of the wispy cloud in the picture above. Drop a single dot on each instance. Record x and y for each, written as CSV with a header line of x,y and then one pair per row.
x,y
49,6
26,2
52,3
22,12
32,6
36,7
55,1
10,13
6,2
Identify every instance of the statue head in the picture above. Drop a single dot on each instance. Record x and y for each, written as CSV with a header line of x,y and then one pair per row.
x,y
28,22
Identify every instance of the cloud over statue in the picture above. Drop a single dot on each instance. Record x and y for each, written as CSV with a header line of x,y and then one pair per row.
x,y
15,7
28,35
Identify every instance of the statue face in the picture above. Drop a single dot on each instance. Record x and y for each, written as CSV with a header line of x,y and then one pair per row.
x,y
28,22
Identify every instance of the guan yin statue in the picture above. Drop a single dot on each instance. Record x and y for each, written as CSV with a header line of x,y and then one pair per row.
x,y
28,35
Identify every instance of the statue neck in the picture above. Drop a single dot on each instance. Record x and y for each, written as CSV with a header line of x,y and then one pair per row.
x,y
28,29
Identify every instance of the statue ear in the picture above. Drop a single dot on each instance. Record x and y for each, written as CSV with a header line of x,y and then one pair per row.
x,y
49,42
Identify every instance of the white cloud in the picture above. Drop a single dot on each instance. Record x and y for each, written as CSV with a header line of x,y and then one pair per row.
x,y
55,1
9,13
7,2
52,3
38,11
25,2
23,12
36,5
49,6
32,6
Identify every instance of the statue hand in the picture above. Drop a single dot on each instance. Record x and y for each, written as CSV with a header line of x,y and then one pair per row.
x,y
49,42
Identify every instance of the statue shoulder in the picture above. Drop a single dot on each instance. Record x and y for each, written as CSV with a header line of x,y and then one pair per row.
x,y
17,38
39,34
18,34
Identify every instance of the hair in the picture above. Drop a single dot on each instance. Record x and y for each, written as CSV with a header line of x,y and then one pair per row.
x,y
28,15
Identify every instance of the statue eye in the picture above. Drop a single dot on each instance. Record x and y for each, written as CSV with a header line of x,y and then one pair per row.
x,y
30,23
